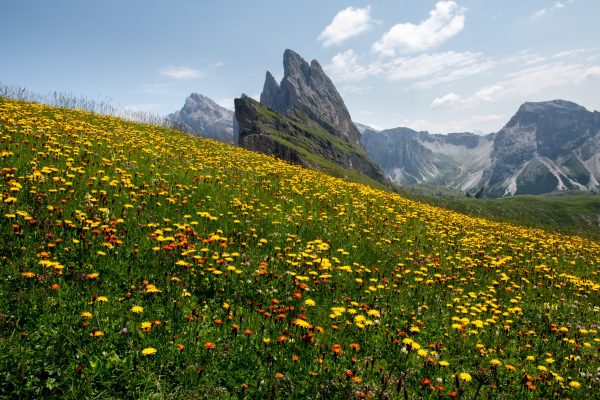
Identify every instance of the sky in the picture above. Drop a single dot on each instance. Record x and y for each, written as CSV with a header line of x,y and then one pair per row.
x,y
443,66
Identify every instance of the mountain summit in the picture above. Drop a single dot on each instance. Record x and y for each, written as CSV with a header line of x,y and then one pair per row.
x,y
304,120
546,146
308,89
201,116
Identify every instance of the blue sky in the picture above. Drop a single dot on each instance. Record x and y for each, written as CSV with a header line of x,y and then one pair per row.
x,y
463,65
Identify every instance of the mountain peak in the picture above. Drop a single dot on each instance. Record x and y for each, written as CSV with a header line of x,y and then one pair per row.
x,y
557,104
307,88
202,116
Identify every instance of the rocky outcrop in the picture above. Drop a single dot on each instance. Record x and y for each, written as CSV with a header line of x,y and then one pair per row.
x,y
546,146
296,138
201,116
306,87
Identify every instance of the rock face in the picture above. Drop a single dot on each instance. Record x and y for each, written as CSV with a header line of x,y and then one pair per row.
x,y
546,146
306,88
296,138
304,120
454,161
201,116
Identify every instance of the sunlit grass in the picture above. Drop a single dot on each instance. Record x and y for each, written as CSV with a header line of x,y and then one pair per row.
x,y
138,261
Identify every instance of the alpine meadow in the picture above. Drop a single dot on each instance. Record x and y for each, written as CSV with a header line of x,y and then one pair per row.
x,y
131,271
310,200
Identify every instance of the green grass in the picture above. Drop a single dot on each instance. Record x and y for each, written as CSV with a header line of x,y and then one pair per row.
x,y
140,262
575,213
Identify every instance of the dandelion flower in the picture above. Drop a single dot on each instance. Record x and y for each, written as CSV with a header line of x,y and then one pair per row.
x,y
301,323
465,376
137,309
148,351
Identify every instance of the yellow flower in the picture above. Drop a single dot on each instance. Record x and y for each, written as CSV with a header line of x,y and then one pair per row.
x,y
575,384
310,302
301,323
495,362
102,299
86,315
373,313
137,309
150,288
146,325
148,351
444,363
465,376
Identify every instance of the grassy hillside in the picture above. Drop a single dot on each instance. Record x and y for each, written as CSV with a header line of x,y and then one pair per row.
x,y
294,136
570,213
139,262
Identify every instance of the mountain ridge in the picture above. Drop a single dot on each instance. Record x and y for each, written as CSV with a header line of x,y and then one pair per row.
x,y
545,146
202,116
304,120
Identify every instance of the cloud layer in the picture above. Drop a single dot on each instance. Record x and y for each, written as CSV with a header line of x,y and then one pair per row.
x,y
445,21
181,72
346,24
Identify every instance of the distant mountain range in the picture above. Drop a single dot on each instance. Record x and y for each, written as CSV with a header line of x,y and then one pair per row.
x,y
201,116
546,146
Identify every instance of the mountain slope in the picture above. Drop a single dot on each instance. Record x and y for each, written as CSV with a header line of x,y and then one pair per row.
x,y
304,120
298,139
141,262
201,116
546,146
455,160
306,88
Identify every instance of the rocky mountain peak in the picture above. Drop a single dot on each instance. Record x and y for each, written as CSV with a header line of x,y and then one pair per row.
x,y
202,116
307,88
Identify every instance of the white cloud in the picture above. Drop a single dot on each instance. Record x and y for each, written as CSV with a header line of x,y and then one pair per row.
x,y
346,24
181,72
345,67
592,73
427,65
448,100
227,103
429,68
445,21
557,5
456,74
524,83
571,53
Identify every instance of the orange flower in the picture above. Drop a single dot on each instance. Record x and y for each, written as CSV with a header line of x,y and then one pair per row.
x,y
282,339
210,346
337,349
